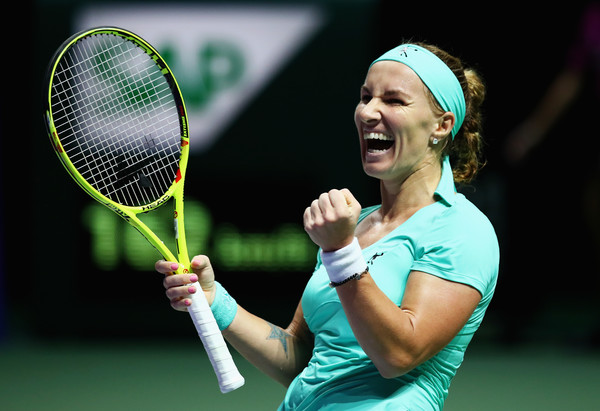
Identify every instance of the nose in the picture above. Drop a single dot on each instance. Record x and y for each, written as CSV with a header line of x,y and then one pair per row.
x,y
369,112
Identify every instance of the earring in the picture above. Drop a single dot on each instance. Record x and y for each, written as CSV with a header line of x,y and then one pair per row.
x,y
435,140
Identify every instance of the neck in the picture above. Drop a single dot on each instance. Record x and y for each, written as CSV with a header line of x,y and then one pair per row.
x,y
401,199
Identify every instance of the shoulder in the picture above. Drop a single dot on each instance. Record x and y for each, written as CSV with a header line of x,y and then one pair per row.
x,y
464,220
460,246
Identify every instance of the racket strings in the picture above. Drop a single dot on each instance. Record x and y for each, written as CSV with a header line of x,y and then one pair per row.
x,y
117,119
113,112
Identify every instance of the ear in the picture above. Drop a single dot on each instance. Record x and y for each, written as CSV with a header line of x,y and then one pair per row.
x,y
444,125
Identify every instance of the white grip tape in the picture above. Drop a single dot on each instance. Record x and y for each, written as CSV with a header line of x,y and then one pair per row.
x,y
214,344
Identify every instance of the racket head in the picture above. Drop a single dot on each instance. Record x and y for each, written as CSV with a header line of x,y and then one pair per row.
x,y
117,120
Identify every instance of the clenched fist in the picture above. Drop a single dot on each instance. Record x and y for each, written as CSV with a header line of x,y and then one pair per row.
x,y
331,219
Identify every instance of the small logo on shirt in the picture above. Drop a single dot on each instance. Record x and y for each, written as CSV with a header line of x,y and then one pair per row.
x,y
376,255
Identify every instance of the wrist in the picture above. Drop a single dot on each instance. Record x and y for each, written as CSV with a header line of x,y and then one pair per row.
x,y
345,264
223,307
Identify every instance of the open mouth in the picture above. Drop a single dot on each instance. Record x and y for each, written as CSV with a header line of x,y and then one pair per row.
x,y
378,142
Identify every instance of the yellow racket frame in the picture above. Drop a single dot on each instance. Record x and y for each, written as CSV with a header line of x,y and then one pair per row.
x,y
175,191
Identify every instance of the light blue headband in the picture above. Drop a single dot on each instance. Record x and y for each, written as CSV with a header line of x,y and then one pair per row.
x,y
436,75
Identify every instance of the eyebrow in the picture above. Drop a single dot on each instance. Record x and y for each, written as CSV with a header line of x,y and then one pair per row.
x,y
394,92
387,93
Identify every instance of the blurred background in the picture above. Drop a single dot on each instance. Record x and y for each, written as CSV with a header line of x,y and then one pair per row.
x,y
270,88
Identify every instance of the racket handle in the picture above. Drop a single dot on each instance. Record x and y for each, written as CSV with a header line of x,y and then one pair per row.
x,y
227,373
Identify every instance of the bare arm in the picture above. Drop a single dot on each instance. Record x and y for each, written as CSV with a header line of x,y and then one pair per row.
x,y
279,353
397,339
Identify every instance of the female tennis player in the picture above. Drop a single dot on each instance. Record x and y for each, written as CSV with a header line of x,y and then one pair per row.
x,y
399,288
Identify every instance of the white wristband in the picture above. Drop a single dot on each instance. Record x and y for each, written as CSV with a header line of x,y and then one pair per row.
x,y
345,263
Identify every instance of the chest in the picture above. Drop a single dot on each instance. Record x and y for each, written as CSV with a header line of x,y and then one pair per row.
x,y
389,266
371,229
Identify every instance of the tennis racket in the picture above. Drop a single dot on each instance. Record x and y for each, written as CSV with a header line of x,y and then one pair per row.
x,y
117,121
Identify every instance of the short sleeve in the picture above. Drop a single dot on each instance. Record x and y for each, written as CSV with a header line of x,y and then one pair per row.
x,y
462,246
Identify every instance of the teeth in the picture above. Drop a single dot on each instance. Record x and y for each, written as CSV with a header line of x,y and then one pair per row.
x,y
378,136
378,142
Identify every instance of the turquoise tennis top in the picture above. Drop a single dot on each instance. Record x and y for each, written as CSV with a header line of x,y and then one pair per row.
x,y
450,239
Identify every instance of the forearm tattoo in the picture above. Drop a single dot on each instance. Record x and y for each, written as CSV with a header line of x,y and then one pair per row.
x,y
278,334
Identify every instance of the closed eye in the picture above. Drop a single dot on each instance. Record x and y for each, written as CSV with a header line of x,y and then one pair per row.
x,y
365,95
396,97
394,102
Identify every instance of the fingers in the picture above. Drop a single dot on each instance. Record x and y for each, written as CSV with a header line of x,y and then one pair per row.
x,y
324,205
200,263
349,197
203,269
331,206
180,287
178,280
166,267
331,219
351,201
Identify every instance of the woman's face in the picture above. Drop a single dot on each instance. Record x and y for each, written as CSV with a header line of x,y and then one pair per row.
x,y
395,121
